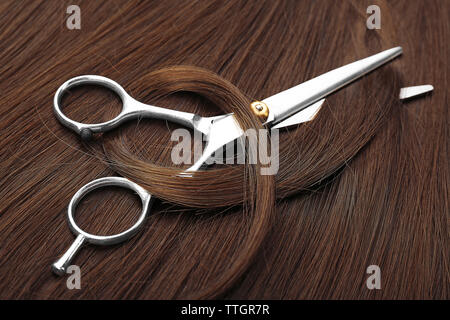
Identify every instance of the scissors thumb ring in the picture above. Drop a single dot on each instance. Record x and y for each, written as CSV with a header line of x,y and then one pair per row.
x,y
60,266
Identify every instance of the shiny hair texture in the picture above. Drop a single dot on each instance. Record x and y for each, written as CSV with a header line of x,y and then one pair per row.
x,y
365,183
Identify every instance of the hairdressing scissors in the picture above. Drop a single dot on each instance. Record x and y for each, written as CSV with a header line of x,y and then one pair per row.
x,y
292,106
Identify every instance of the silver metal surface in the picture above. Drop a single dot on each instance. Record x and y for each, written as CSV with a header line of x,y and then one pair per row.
x,y
295,99
222,131
60,266
411,92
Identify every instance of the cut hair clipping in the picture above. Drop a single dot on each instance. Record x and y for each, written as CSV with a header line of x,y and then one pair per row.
x,y
415,91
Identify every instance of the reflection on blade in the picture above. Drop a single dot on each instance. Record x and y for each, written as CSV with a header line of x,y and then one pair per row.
x,y
303,116
223,130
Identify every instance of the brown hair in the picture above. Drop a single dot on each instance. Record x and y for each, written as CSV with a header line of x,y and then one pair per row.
x,y
365,183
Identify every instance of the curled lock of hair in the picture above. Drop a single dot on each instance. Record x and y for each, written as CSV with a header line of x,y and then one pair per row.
x,y
200,190
254,191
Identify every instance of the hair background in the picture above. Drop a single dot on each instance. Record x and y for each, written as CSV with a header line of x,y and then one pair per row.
x,y
386,205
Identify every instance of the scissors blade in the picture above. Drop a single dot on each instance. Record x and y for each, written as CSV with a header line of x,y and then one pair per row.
x,y
302,116
288,102
411,92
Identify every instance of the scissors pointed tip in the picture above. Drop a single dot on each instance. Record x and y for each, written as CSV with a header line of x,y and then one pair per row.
x,y
399,49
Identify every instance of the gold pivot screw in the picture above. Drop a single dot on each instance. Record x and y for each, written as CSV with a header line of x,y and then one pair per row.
x,y
260,109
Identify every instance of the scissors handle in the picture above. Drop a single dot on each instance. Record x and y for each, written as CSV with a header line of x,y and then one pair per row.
x,y
60,266
131,108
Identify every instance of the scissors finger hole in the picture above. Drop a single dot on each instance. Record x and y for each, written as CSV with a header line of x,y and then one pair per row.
x,y
97,203
108,210
85,129
90,104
